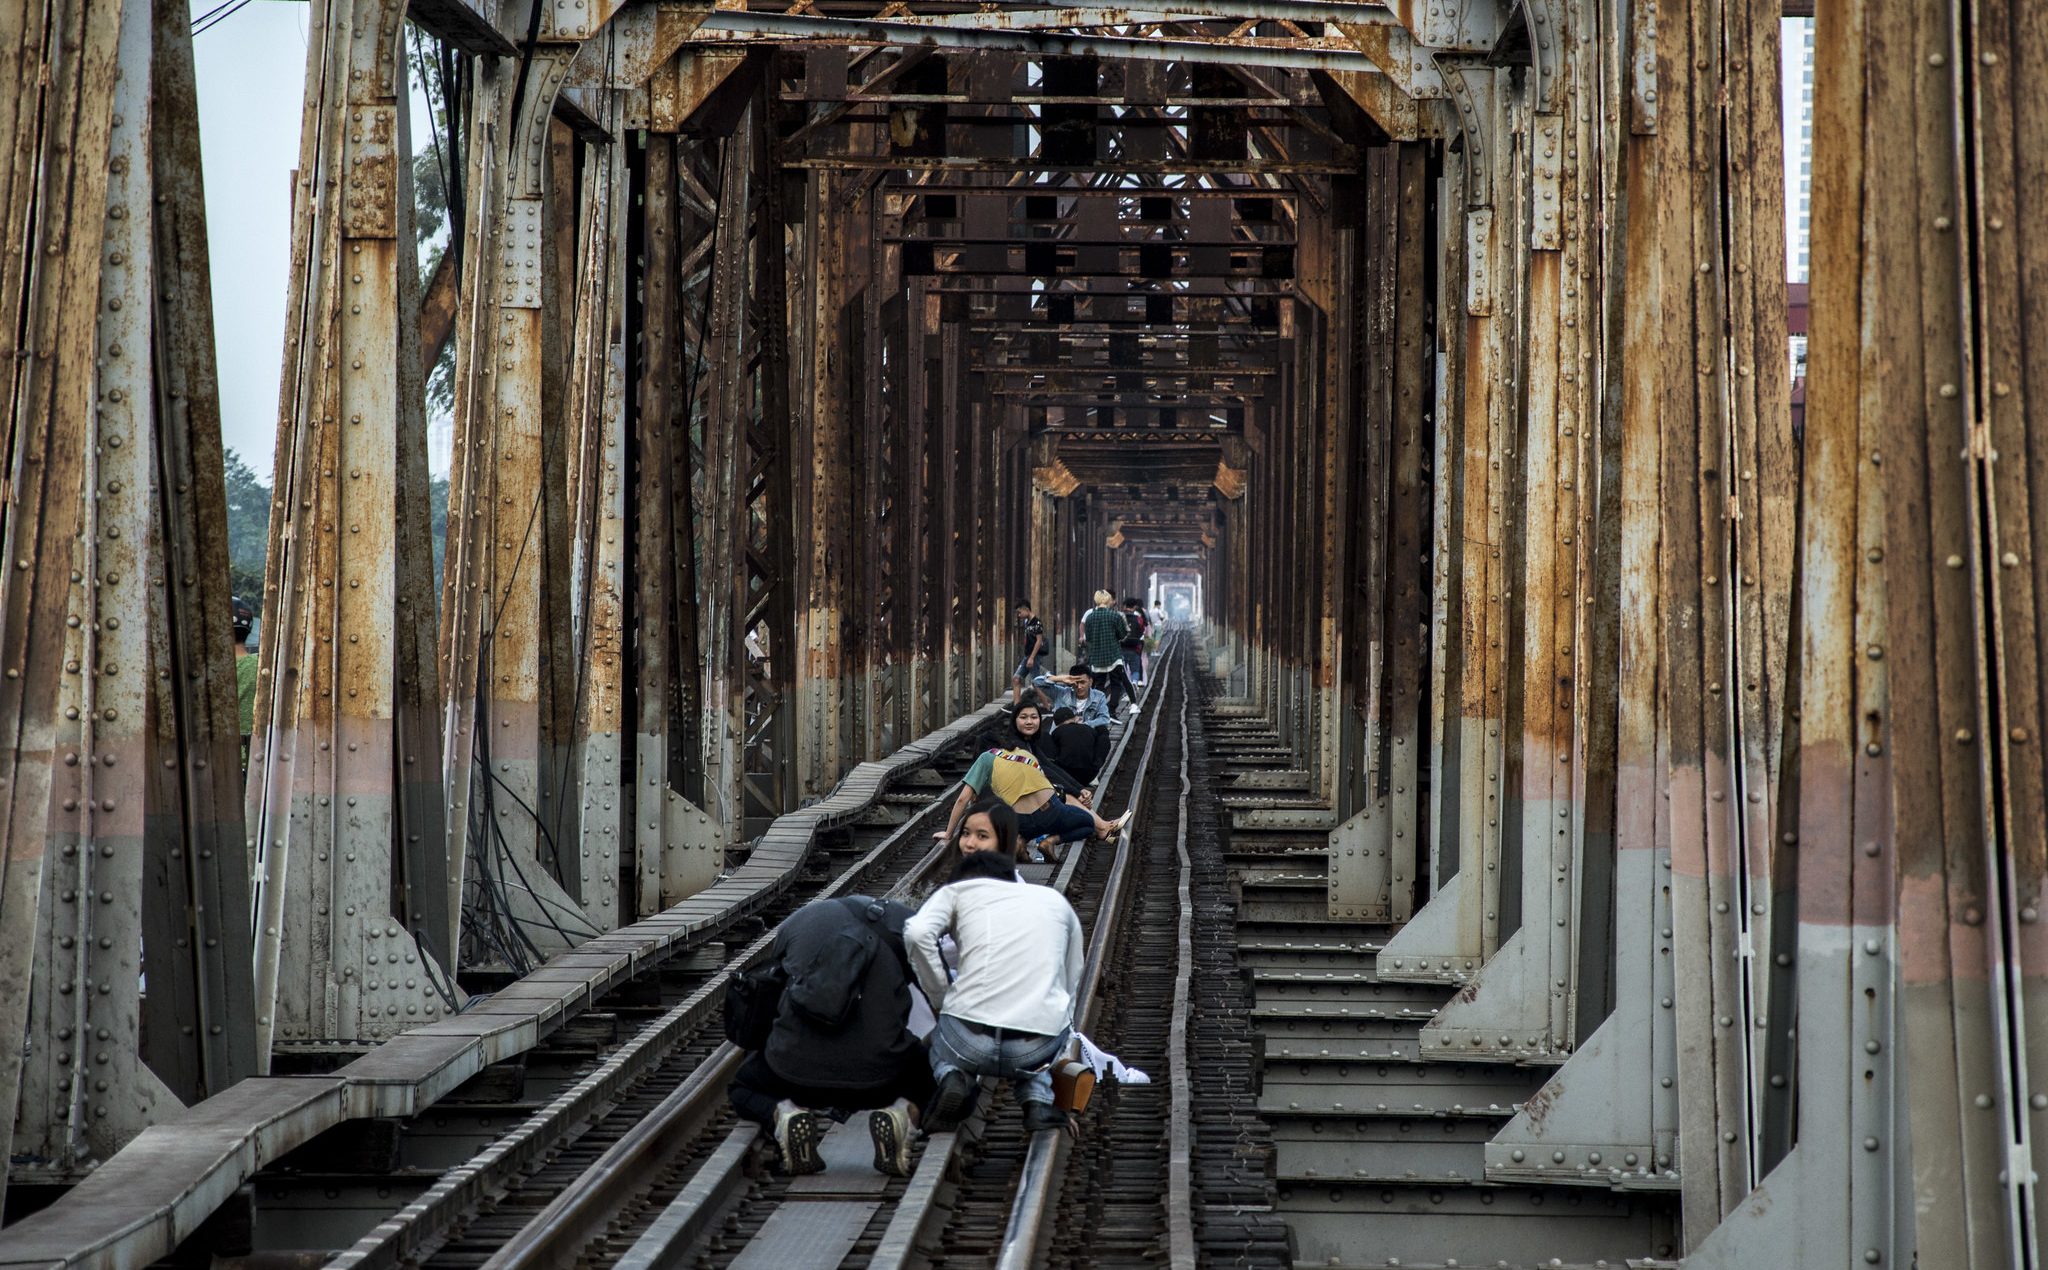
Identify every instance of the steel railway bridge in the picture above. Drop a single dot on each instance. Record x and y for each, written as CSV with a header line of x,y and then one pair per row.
x,y
1587,819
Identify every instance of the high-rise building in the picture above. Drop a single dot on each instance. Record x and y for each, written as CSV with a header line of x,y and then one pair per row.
x,y
1796,39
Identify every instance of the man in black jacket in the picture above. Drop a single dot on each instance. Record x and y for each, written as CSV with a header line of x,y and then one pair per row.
x,y
841,1041
1076,746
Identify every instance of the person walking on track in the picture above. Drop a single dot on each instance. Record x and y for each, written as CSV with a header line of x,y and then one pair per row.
x,y
1102,637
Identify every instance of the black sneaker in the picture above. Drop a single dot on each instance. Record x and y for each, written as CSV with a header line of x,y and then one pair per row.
x,y
953,1103
1040,1116
796,1135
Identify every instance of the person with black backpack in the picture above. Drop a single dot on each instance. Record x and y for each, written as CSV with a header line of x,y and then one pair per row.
x,y
1135,628
827,1015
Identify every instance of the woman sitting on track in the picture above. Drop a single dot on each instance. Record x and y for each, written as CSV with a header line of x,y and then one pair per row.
x,y
1008,1010
1030,731
1016,777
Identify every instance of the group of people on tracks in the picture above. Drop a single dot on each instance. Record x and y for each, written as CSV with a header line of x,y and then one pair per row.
x,y
1113,642
866,1005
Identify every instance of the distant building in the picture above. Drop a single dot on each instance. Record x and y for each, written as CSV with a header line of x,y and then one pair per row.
x,y
440,440
1796,36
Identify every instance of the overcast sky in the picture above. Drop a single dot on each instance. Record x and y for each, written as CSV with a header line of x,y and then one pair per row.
x,y
252,73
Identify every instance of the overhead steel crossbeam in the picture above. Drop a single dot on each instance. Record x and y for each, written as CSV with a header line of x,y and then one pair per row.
x,y
1083,17
739,27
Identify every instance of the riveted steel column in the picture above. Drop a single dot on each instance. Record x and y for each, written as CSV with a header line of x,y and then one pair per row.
x,y
1323,495
198,1030
334,960
1459,927
678,847
837,362
1918,830
1612,1110
1721,665
770,551
747,567
58,105
84,1089
1521,1005
595,417
500,683
1374,854
2006,400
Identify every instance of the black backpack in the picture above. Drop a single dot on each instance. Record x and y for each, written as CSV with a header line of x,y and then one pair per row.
x,y
752,1000
824,986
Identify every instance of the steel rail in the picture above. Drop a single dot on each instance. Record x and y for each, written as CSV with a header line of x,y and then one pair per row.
x,y
917,1212
1180,1213
419,1223
1032,1208
559,1233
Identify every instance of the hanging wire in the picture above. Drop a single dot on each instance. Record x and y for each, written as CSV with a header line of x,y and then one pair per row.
x,y
214,17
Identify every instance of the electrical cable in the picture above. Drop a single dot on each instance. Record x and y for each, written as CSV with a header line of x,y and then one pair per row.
x,y
207,21
212,13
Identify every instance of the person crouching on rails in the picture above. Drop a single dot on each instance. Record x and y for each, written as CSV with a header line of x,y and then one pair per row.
x,y
840,1041
1007,1009
1016,778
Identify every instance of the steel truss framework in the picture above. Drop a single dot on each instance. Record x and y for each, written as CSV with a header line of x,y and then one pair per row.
x,y
1439,349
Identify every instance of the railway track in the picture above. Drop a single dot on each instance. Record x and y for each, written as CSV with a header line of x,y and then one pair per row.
x,y
670,1179
486,1160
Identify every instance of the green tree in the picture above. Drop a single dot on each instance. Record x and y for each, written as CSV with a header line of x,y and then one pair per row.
x,y
432,172
248,530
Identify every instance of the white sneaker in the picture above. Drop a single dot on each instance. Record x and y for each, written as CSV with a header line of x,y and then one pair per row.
x,y
890,1128
1132,711
796,1135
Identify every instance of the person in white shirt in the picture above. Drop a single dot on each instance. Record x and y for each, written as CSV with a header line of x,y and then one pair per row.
x,y
1008,1010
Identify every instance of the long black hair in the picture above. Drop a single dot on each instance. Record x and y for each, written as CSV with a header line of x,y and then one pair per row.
x,y
1023,742
1004,821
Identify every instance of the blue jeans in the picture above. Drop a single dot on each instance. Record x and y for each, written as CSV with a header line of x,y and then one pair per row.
x,y
1069,822
1024,1058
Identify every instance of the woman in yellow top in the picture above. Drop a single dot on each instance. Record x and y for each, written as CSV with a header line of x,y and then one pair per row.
x,y
1015,777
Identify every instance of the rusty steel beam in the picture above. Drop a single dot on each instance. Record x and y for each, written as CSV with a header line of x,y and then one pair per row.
x,y
734,25
594,413
1081,17
1917,812
198,1025
334,714
1458,927
122,828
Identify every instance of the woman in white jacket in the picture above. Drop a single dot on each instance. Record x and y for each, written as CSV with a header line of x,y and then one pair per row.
x,y
1008,1010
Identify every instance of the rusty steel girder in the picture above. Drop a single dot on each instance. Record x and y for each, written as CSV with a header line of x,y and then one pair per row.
x,y
342,707
120,813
